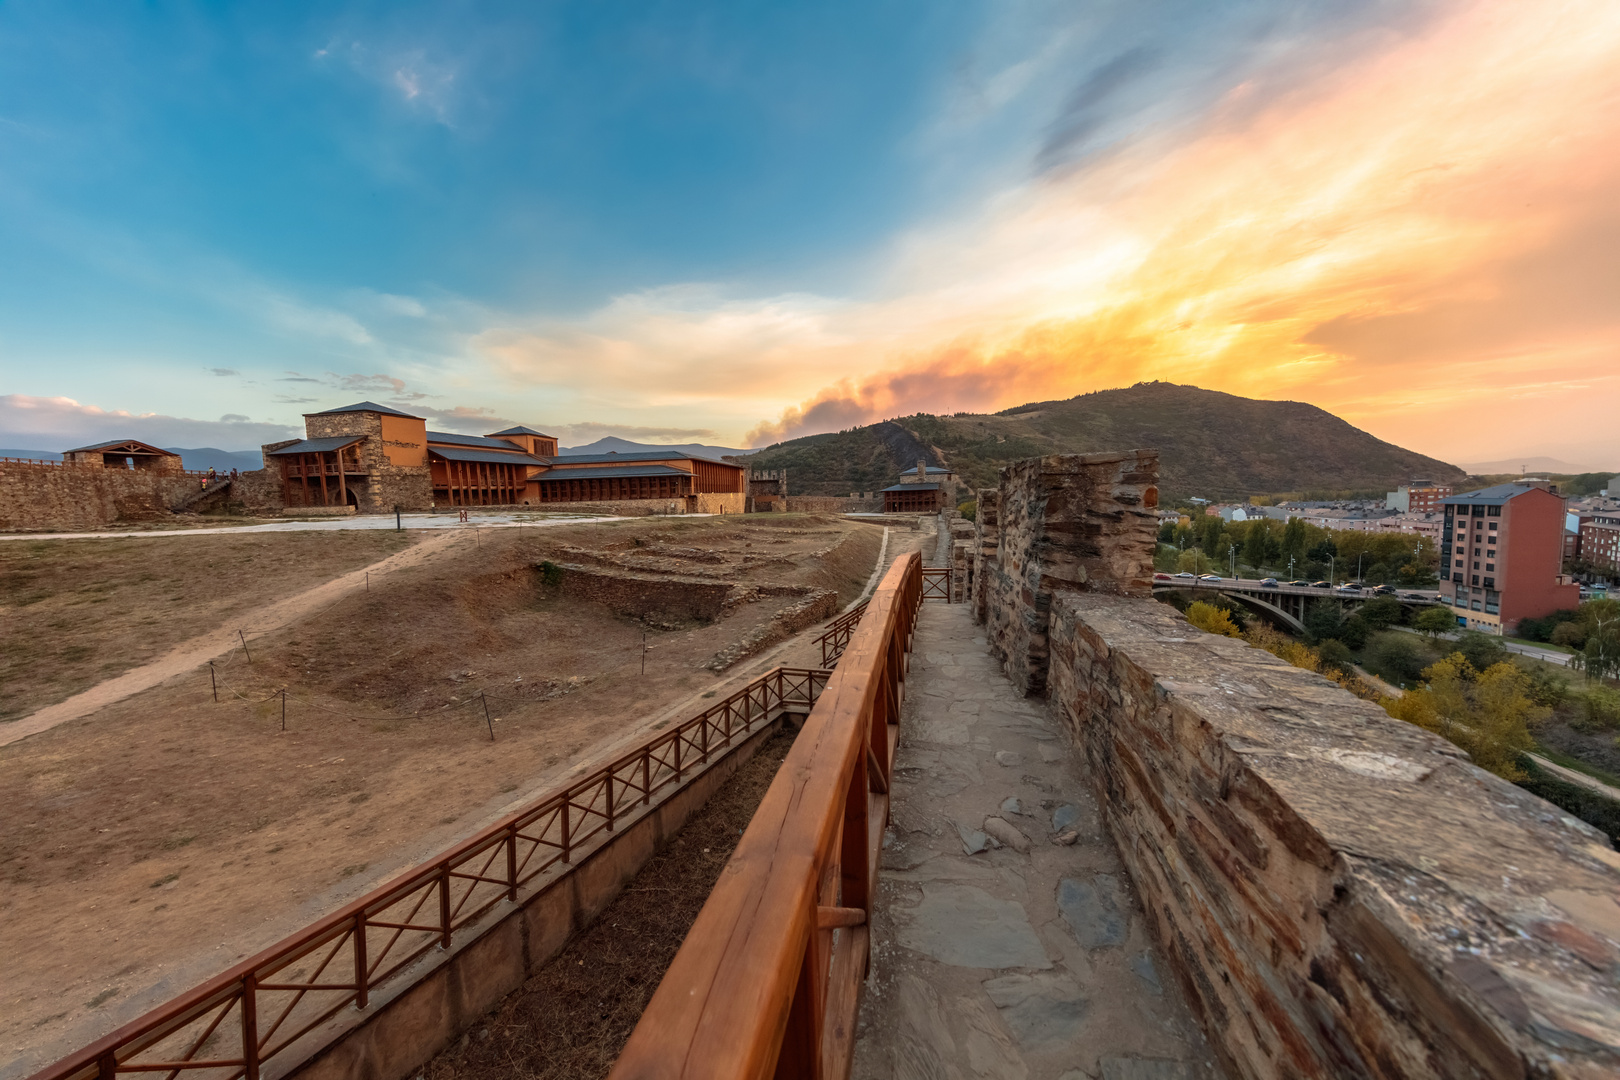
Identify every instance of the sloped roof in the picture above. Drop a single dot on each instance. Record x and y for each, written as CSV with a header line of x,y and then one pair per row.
x,y
913,487
589,473
472,440
491,457
1491,496
521,430
318,446
364,406
933,470
640,455
143,448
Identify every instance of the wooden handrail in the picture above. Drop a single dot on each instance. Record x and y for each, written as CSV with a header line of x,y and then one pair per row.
x,y
768,980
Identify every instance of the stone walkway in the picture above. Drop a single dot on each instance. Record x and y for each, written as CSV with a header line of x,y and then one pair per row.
x,y
1008,942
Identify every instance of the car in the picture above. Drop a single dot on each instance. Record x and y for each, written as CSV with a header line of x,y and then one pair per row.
x,y
1417,596
1268,583
1209,577
1299,583
1385,590
1163,577
1321,585
1188,574
1349,586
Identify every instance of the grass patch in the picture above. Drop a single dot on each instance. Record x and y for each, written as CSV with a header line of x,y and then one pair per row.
x,y
1558,757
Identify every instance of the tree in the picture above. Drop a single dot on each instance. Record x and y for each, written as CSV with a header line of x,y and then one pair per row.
x,y
1488,713
1212,536
1167,532
1599,658
1398,657
1323,550
1193,560
1354,631
1569,634
1434,621
1254,545
1322,620
1382,612
1293,540
1211,619
1481,650
1334,654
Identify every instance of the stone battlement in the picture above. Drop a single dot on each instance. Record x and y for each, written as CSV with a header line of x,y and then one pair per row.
x,y
1340,893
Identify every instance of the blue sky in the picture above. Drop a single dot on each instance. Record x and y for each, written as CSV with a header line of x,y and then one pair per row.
x,y
675,221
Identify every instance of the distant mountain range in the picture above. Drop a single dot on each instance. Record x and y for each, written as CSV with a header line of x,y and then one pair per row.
x,y
1213,445
1531,465
200,459
613,445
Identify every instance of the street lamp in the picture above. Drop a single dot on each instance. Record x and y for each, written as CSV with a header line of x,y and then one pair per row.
x,y
1231,558
1332,580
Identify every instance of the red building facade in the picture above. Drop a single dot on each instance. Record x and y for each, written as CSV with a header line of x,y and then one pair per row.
x,y
1501,557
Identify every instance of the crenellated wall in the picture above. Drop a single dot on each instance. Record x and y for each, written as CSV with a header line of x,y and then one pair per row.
x,y
1340,894
50,496
1072,521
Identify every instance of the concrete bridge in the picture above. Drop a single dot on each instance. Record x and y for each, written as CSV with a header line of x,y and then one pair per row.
x,y
1286,603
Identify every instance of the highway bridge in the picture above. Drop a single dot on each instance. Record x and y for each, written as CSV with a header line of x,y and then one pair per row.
x,y
1286,603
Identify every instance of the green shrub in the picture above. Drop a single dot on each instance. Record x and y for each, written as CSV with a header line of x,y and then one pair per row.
x,y
1600,711
1383,612
1480,650
968,509
1395,656
1335,654
1574,799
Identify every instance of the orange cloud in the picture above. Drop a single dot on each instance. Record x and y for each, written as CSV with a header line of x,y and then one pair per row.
x,y
1421,233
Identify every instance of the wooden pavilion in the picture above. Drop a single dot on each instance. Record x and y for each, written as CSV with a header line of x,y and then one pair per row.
x,y
913,499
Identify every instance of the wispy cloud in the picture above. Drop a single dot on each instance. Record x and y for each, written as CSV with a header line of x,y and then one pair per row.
x,y
57,423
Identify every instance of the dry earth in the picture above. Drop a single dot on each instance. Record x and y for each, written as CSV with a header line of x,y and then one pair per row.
x,y
76,612
165,836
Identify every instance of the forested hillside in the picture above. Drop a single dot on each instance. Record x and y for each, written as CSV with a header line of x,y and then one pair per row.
x,y
1213,445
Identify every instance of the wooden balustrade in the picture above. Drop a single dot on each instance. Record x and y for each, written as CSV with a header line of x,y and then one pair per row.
x,y
768,981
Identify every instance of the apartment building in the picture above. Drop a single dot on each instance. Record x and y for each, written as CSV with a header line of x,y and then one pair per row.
x,y
1502,556
1418,497
1600,541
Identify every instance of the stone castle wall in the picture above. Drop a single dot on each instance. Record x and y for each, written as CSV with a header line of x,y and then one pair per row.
x,y
1340,894
48,497
986,540
1072,521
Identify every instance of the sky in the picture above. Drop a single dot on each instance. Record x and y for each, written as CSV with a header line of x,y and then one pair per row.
x,y
738,223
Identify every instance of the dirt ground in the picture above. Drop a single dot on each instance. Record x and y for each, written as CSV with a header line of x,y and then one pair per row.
x,y
75,612
164,837
570,1021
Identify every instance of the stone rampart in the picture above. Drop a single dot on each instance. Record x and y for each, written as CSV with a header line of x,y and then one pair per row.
x,y
986,539
1342,894
1339,893
47,496
1072,521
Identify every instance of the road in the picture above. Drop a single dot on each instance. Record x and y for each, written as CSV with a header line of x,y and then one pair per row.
x,y
1430,596
1551,656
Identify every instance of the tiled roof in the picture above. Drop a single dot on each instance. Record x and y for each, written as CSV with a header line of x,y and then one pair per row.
x,y
521,430
471,440
145,448
491,457
364,406
318,446
592,473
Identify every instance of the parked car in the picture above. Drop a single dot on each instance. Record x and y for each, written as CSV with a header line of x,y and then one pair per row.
x,y
1268,583
1209,577
1163,577
1321,585
1188,574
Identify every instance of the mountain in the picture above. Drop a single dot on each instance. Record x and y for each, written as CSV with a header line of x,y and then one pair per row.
x,y
1531,465
1214,445
207,457
611,445
200,459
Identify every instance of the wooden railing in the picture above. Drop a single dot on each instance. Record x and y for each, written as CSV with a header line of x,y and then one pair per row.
x,y
936,583
768,981
235,1023
836,637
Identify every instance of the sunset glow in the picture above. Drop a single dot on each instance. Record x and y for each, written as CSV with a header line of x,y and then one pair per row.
x,y
1407,220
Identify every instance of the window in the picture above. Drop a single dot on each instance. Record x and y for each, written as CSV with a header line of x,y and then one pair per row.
x,y
1494,524
1474,580
1476,562
1490,583
1495,511
1490,553
1460,550
1489,566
